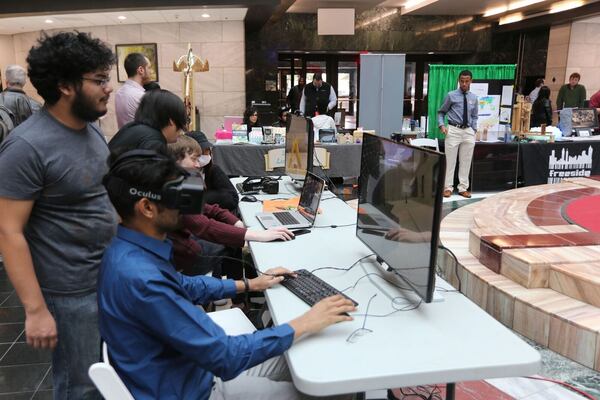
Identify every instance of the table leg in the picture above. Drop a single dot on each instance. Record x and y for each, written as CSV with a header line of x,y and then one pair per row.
x,y
450,389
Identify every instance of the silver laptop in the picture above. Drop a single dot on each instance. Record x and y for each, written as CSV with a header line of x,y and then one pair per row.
x,y
307,207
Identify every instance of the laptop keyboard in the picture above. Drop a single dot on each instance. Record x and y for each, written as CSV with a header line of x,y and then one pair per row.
x,y
310,288
286,218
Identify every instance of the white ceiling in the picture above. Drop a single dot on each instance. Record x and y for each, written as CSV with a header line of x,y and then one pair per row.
x,y
11,26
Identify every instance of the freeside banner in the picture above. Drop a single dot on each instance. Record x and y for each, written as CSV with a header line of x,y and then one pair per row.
x,y
553,162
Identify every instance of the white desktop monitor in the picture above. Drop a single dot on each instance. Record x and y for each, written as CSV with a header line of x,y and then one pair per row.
x,y
399,209
229,121
299,147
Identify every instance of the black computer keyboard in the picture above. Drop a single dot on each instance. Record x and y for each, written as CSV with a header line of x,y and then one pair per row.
x,y
286,218
310,288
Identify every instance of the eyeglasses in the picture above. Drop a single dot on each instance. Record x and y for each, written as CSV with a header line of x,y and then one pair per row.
x,y
103,83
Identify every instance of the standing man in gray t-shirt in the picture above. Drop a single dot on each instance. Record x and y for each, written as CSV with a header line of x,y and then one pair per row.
x,y
55,215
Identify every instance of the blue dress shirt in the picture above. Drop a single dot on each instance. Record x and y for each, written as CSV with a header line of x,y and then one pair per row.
x,y
161,344
453,106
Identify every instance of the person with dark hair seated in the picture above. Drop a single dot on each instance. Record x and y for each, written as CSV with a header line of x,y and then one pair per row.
x,y
214,232
219,189
282,116
159,119
160,343
251,118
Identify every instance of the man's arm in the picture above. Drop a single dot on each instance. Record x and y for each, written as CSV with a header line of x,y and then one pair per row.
x,y
442,112
303,103
40,327
559,98
332,99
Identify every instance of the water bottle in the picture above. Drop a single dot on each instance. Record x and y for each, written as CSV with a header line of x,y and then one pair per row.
x,y
507,135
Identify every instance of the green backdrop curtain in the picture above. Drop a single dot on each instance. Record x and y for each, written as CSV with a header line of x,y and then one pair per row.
x,y
444,78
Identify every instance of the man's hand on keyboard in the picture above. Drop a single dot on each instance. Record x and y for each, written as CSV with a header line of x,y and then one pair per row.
x,y
327,312
270,277
277,233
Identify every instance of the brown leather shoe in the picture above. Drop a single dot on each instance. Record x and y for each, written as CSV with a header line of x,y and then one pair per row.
x,y
465,194
447,193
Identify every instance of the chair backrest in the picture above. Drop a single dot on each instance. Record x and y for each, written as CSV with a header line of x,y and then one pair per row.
x,y
425,142
233,321
107,380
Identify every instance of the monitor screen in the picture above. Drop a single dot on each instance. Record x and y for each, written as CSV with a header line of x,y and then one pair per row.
x,y
311,196
584,118
299,146
399,208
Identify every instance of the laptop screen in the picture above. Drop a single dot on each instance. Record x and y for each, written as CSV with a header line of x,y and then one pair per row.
x,y
311,196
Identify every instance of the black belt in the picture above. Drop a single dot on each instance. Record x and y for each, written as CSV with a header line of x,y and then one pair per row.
x,y
458,126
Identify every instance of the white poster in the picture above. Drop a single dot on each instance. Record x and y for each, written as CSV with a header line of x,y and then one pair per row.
x,y
489,113
505,115
507,95
479,89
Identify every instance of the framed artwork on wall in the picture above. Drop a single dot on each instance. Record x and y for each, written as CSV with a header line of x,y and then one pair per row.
x,y
147,49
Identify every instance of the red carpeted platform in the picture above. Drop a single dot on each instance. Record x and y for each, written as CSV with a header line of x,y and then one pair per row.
x,y
585,212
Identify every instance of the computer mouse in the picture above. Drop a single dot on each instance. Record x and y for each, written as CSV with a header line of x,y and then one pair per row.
x,y
299,232
283,240
249,198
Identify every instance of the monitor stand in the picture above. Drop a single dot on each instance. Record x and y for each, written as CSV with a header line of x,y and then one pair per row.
x,y
400,297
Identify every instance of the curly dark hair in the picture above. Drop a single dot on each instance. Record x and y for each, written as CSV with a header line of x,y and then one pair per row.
x,y
63,58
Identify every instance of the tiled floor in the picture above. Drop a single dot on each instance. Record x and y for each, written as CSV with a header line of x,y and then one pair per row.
x,y
25,373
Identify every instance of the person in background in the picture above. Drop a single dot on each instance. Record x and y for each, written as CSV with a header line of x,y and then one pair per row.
x,y
534,93
572,94
127,98
295,95
151,86
541,110
282,116
219,189
251,118
595,101
14,97
461,108
322,120
215,232
160,343
159,119
55,216
315,93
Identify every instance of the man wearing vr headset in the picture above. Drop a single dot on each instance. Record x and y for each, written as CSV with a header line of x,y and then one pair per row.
x,y
159,342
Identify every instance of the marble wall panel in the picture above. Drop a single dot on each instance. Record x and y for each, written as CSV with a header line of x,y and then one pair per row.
x,y
125,34
202,32
170,52
582,55
234,79
210,81
223,103
229,54
160,33
233,31
210,124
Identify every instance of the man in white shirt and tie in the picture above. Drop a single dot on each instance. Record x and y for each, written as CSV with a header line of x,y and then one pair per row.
x,y
128,97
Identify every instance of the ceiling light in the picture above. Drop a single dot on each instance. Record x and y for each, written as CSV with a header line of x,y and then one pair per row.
x,y
205,15
122,17
509,19
565,5
430,52
522,3
49,21
494,11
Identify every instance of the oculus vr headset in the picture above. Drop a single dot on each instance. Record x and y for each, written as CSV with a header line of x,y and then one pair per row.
x,y
183,193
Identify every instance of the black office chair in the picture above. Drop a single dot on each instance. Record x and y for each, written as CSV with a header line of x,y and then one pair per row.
x,y
327,136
